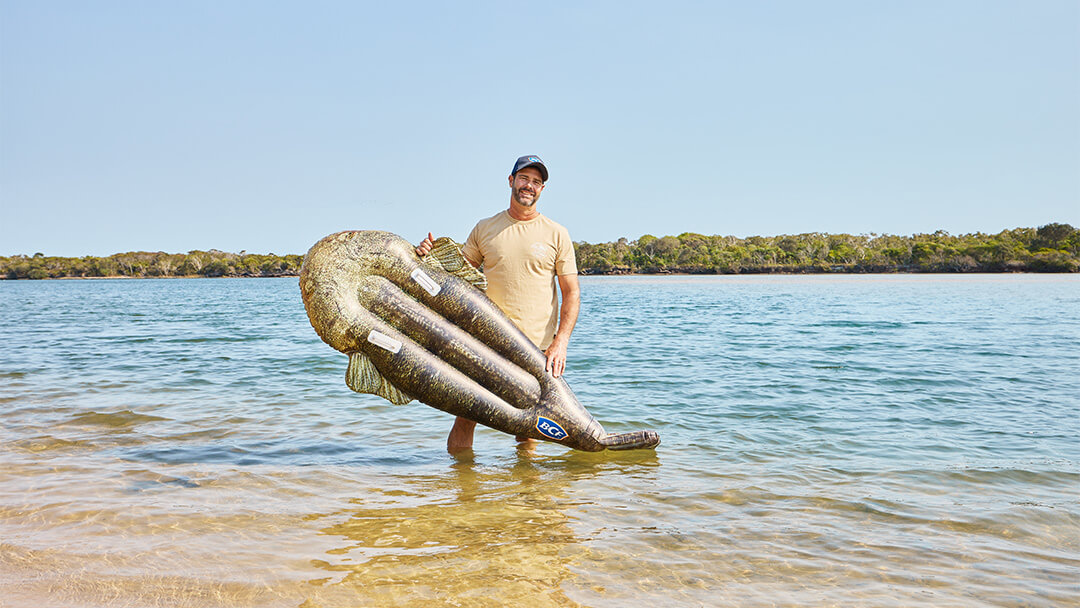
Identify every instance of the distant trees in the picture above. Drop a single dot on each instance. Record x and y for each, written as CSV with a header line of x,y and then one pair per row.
x,y
211,263
1049,248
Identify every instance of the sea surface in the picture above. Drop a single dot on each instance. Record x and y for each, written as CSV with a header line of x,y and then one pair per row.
x,y
896,440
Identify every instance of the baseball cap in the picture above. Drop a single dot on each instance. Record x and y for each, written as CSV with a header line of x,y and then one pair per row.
x,y
531,161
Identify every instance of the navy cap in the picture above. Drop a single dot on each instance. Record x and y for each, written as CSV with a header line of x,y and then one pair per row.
x,y
530,161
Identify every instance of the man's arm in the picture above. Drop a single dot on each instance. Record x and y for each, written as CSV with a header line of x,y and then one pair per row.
x,y
568,313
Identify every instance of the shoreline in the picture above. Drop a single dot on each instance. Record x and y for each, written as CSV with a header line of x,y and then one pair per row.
x,y
748,272
1053,248
171,276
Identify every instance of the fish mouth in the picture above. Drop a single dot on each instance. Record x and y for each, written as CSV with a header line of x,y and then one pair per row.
x,y
636,440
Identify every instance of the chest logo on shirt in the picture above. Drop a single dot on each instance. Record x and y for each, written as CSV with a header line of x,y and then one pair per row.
x,y
539,250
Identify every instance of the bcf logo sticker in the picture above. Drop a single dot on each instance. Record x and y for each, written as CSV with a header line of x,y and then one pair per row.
x,y
549,428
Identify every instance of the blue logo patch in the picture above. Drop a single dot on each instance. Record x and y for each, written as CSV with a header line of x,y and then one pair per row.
x,y
550,428
534,159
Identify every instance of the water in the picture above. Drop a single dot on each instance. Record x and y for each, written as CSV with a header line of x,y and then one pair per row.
x,y
848,440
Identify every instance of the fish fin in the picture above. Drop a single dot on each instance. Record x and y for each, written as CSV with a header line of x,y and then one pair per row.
x,y
446,254
363,377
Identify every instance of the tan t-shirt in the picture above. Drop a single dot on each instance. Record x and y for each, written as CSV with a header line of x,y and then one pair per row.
x,y
522,260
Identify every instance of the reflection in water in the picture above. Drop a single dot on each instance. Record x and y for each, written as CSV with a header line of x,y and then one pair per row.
x,y
484,535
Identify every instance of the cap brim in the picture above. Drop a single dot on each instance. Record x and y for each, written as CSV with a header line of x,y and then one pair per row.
x,y
539,167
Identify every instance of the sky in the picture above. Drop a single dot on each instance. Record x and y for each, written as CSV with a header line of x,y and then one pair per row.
x,y
263,126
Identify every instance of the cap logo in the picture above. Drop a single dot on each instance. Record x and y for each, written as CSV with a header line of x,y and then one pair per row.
x,y
533,159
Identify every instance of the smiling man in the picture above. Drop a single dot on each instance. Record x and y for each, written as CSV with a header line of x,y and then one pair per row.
x,y
525,256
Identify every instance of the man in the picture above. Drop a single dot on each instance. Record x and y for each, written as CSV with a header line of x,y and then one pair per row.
x,y
524,255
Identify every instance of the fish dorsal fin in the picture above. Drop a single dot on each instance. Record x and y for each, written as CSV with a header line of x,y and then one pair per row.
x,y
362,377
446,254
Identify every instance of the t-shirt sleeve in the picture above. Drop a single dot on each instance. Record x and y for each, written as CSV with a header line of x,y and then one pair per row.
x,y
471,249
565,260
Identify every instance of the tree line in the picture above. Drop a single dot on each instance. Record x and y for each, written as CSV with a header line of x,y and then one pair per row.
x,y
1050,248
144,264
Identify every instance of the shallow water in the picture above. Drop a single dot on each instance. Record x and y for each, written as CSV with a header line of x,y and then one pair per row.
x,y
827,440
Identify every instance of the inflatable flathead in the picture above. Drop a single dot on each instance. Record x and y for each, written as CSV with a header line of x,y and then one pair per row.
x,y
423,329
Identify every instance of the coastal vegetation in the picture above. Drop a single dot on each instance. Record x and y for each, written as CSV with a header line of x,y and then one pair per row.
x,y
143,264
1050,248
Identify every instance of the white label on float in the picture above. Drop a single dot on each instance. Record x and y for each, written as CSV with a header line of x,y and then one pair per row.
x,y
425,281
384,341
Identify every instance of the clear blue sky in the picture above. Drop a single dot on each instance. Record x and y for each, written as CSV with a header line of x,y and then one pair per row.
x,y
263,126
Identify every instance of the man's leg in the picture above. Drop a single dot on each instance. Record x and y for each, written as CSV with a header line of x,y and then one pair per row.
x,y
461,436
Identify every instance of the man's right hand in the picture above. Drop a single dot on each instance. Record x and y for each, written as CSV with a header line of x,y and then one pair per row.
x,y
424,247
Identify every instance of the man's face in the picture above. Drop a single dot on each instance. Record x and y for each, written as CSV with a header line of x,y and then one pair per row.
x,y
526,185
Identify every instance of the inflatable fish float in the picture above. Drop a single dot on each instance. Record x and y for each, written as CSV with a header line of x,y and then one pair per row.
x,y
423,329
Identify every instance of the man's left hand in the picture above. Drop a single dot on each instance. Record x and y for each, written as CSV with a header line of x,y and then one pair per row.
x,y
556,357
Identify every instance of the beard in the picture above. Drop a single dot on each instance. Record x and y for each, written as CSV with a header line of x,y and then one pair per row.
x,y
525,202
